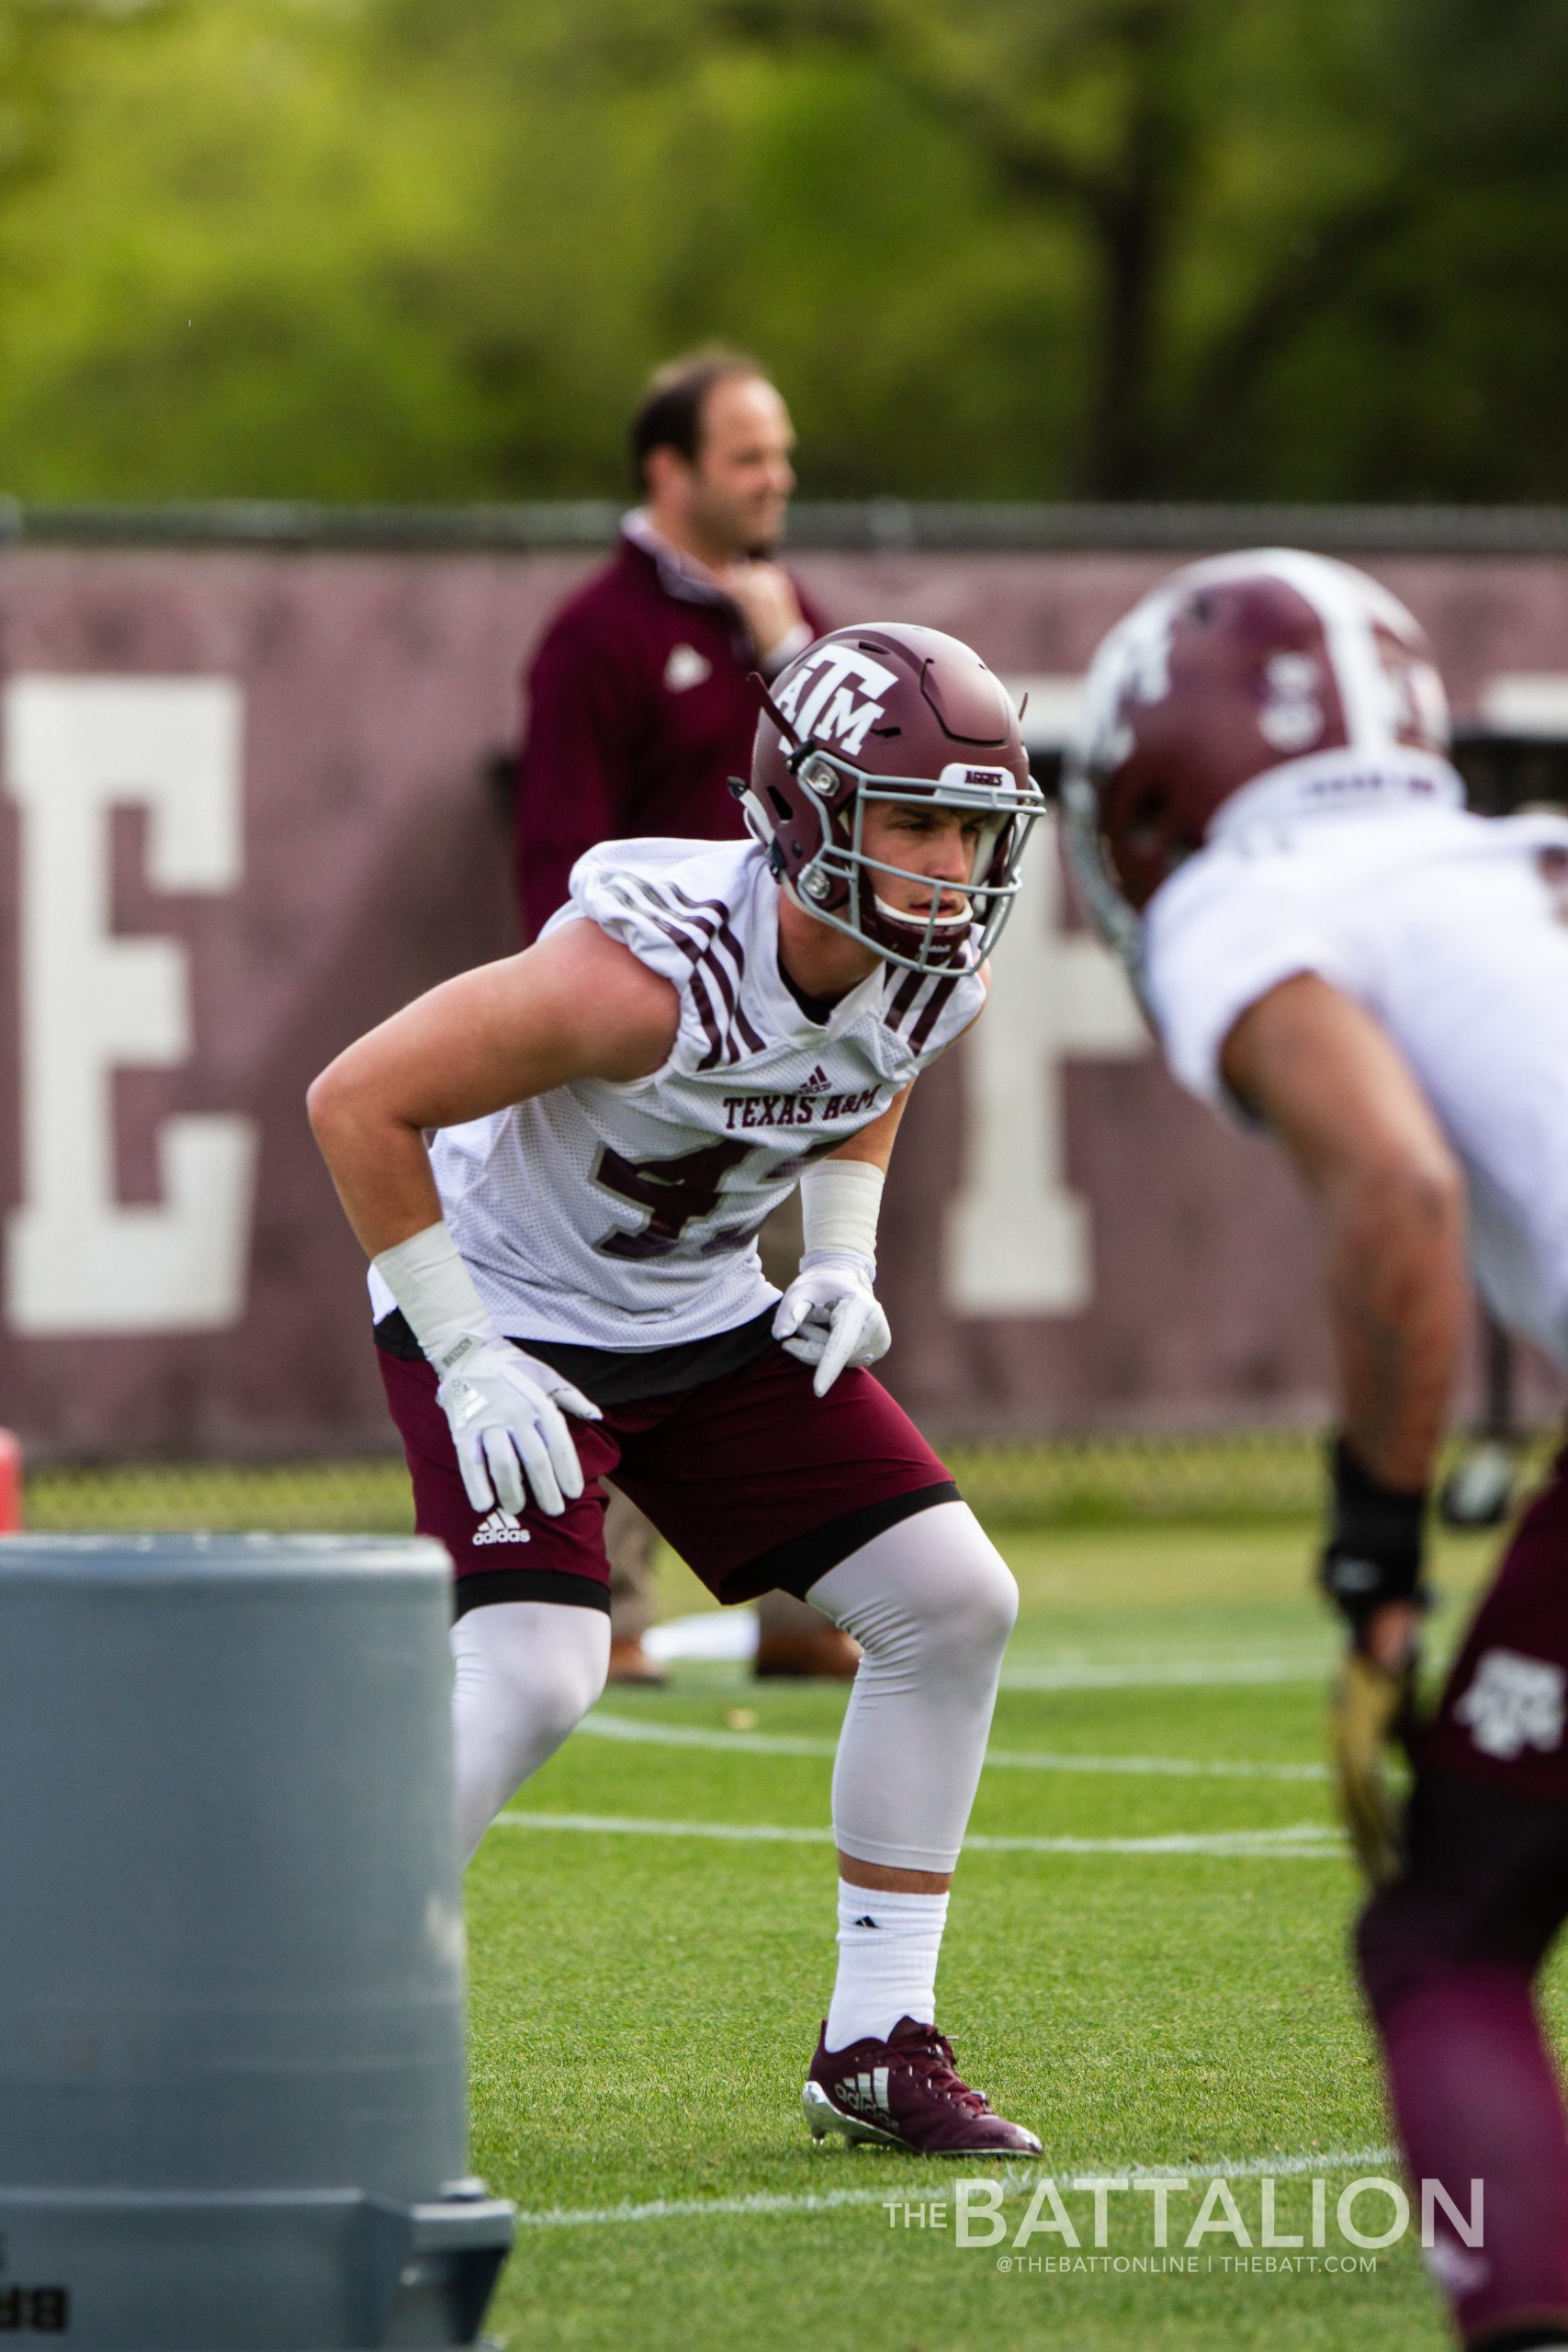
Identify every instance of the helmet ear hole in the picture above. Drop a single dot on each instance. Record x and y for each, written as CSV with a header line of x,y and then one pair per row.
x,y
782,809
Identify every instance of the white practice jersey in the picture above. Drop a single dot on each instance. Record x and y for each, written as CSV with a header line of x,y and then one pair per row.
x,y
1453,930
625,1216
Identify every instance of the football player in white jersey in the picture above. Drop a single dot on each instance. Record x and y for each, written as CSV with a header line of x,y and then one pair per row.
x,y
1331,947
566,1287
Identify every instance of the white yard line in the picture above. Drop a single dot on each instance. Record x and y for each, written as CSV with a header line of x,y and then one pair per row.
x,y
1017,2179
641,1733
1156,1674
1307,1840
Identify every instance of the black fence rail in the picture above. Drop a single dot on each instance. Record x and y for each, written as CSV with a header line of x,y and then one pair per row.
x,y
961,526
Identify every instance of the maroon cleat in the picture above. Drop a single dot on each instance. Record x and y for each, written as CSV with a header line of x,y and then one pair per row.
x,y
906,2093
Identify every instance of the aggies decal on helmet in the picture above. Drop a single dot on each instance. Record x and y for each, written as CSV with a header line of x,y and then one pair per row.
x,y
1231,670
890,712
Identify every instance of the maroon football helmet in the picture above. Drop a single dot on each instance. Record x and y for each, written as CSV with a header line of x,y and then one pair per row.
x,y
1229,669
890,712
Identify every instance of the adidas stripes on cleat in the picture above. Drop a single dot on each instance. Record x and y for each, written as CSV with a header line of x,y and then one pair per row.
x,y
906,2093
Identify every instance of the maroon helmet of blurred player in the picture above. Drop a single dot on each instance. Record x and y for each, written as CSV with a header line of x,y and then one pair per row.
x,y
891,713
1223,673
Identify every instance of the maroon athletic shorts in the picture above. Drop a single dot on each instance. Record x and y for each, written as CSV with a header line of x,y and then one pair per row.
x,y
757,1482
1504,1716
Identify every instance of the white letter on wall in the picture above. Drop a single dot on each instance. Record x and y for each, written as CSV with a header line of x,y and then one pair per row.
x,y
76,1259
1017,1240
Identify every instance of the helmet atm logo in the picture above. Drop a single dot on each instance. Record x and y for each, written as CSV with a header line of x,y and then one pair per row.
x,y
1291,717
819,701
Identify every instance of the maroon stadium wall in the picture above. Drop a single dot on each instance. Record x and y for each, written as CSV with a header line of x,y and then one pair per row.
x,y
247,807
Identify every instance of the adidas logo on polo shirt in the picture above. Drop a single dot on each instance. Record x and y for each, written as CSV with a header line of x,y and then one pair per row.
x,y
501,1527
685,668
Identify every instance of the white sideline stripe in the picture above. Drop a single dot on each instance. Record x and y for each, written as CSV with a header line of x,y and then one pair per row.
x,y
1309,1840
766,1743
1015,2178
1186,1674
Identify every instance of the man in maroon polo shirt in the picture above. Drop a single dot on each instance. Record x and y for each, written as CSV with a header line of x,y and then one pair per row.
x,y
640,710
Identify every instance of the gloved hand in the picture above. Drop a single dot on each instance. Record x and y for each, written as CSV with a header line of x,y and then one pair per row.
x,y
829,1317
1371,1712
1371,1569
507,1413
1373,1555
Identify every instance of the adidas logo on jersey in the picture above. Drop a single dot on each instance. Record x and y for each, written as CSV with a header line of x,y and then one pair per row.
x,y
818,1080
501,1527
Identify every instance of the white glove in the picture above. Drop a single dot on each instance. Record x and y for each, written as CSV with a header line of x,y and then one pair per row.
x,y
507,1413
503,1408
829,1317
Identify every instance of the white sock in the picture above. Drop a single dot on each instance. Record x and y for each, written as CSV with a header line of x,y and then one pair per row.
x,y
887,1954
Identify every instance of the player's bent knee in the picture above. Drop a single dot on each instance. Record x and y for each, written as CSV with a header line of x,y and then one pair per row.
x,y
968,1589
559,1703
972,1618
532,1662
934,1584
995,1601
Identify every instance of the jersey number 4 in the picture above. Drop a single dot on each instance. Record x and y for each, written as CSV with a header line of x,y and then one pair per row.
x,y
673,1192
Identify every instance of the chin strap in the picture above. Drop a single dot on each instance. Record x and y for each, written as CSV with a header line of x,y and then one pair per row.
x,y
755,678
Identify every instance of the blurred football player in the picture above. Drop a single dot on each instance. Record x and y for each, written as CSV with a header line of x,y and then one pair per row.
x,y
1332,947
566,1286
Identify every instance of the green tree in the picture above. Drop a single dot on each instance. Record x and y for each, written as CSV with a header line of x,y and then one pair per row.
x,y
1001,248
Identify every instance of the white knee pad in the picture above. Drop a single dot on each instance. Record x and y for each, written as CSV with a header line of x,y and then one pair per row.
x,y
526,1673
931,1602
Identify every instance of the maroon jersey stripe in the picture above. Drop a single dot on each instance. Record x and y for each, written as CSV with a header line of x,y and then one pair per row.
x,y
749,1037
723,929
930,1014
701,995
908,989
712,915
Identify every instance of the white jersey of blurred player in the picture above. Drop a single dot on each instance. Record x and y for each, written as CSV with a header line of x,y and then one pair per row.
x,y
625,1215
1451,929
1263,809
1263,812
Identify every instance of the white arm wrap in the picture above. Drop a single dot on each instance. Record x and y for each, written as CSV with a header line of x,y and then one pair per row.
x,y
839,1205
437,1293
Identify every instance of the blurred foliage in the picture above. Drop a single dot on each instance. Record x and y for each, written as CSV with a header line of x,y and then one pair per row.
x,y
370,249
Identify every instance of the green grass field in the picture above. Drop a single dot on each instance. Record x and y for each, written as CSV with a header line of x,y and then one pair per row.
x,y
1164,1987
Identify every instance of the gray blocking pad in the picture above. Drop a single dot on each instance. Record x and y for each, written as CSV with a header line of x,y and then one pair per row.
x,y
232,2063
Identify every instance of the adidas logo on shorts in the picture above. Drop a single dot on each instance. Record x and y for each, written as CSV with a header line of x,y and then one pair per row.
x,y
501,1527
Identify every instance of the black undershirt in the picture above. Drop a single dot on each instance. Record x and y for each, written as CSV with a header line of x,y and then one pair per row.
x,y
617,1376
817,1009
